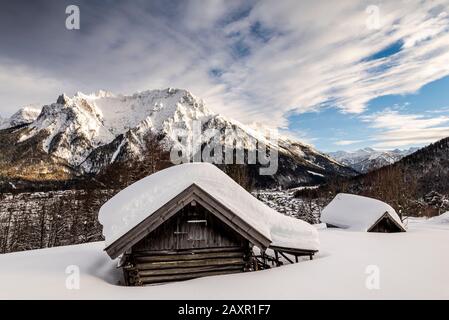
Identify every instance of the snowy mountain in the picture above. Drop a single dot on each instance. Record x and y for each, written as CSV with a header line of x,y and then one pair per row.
x,y
84,134
25,115
368,159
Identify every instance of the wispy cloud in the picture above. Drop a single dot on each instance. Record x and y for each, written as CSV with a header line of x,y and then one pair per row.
x,y
398,130
251,60
440,110
347,142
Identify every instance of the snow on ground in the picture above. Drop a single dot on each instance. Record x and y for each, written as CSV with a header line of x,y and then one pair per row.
x,y
412,265
444,218
437,222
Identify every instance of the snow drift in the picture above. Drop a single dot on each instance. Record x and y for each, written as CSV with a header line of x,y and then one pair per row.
x,y
135,203
442,218
337,272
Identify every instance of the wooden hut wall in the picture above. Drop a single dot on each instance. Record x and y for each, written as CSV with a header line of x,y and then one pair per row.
x,y
193,243
385,225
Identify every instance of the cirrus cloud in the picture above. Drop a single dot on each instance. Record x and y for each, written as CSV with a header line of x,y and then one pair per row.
x,y
397,130
256,61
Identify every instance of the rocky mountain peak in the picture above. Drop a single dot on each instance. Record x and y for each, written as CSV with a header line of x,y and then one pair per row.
x,y
89,132
63,99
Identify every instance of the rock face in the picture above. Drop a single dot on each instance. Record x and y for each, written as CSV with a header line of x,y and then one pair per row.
x,y
368,159
84,134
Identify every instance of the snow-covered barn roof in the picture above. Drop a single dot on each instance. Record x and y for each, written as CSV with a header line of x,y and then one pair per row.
x,y
133,205
356,212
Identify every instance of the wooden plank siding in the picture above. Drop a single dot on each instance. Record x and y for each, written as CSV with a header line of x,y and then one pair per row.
x,y
192,243
153,268
187,256
191,228
386,224
182,277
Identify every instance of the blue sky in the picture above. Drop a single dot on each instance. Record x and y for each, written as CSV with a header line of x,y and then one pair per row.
x,y
336,74
331,130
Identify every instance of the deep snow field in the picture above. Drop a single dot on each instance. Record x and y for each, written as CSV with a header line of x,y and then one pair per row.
x,y
411,265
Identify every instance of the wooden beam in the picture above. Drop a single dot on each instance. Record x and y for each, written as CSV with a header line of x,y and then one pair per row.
x,y
285,257
180,277
186,251
192,263
190,271
192,256
293,251
276,254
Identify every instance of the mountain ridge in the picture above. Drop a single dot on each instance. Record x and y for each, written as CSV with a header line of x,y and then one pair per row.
x,y
368,159
416,185
84,134
23,116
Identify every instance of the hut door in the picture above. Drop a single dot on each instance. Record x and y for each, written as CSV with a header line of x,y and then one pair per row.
x,y
191,228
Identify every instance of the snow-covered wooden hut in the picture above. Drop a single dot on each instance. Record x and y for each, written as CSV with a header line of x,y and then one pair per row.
x,y
192,220
359,213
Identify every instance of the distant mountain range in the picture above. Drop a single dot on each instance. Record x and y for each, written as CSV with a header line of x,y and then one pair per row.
x,y
85,134
368,159
416,185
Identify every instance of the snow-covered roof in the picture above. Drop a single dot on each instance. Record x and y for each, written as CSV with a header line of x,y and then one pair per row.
x,y
140,200
356,212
